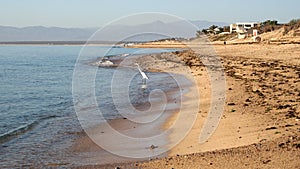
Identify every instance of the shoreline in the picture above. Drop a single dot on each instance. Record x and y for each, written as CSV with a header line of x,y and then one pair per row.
x,y
85,145
255,114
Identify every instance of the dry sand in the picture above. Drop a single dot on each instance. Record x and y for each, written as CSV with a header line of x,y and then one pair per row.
x,y
262,109
260,123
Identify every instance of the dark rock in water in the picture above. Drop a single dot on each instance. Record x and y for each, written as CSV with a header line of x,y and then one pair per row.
x,y
153,146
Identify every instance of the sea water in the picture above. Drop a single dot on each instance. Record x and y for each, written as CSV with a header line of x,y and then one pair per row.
x,y
38,122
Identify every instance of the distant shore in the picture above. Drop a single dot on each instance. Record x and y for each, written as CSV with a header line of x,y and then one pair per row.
x,y
158,44
100,43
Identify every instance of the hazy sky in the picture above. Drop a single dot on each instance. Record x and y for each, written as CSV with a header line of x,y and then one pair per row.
x,y
96,13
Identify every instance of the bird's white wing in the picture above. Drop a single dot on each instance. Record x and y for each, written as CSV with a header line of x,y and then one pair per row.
x,y
144,75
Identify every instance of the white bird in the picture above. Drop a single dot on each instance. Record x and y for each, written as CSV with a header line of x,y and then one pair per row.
x,y
144,76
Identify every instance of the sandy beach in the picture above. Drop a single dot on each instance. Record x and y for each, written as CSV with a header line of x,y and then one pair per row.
x,y
161,111
150,84
259,127
262,99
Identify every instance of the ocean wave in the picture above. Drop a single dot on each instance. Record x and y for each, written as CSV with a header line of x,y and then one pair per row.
x,y
17,131
7,136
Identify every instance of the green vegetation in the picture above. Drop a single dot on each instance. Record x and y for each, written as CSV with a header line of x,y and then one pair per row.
x,y
268,26
213,29
268,109
277,132
269,22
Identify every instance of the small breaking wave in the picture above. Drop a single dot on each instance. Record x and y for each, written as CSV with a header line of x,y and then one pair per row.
x,y
17,131
7,136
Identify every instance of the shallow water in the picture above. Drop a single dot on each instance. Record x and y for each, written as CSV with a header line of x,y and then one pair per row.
x,y
38,123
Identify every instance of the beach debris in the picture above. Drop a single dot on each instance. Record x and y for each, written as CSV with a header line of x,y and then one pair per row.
x,y
289,125
238,75
271,128
283,106
263,140
248,100
297,145
153,147
259,92
292,113
231,104
277,132
266,161
281,145
246,104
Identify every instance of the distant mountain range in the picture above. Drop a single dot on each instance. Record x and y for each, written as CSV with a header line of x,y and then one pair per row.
x,y
145,32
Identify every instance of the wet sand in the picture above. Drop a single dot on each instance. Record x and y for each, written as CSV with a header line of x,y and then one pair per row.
x,y
156,124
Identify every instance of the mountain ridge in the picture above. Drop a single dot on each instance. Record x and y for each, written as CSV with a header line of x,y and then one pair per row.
x,y
111,32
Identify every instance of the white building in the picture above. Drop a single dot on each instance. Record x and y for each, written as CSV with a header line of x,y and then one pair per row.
x,y
241,27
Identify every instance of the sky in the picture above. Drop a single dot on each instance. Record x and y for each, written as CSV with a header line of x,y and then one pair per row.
x,y
96,13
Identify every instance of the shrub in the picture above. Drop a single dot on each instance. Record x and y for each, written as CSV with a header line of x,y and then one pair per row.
x,y
269,22
292,25
294,22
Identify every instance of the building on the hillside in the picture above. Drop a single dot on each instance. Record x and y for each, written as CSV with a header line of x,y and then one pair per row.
x,y
242,27
242,34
